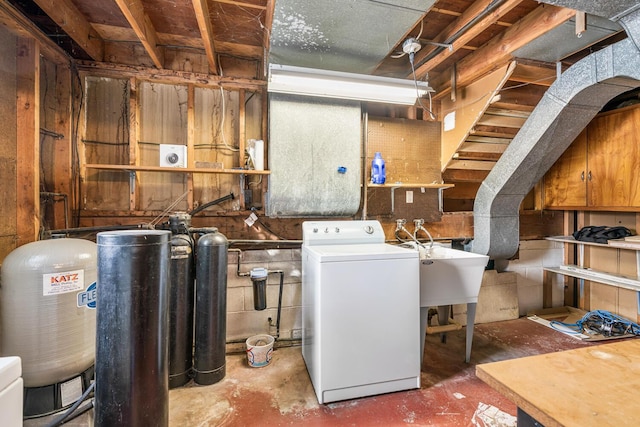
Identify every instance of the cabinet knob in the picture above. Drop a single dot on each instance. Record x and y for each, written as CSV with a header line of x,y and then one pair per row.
x,y
582,176
589,176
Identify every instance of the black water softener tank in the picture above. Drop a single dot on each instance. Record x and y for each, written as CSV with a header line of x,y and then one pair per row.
x,y
131,374
211,308
181,300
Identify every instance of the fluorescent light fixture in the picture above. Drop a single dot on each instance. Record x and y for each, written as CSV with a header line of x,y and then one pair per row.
x,y
340,85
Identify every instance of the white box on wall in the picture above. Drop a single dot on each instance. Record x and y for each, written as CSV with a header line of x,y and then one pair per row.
x,y
173,156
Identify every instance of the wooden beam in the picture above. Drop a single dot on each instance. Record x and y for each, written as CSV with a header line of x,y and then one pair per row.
x,y
499,50
242,4
201,8
455,34
21,26
28,150
168,76
72,21
133,11
266,36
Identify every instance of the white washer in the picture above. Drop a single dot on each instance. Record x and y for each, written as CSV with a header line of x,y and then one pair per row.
x,y
11,389
360,309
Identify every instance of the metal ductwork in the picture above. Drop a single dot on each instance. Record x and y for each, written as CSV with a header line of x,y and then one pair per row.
x,y
341,35
564,111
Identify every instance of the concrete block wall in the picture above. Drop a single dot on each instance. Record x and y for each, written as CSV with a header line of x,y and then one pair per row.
x,y
533,256
242,320
497,300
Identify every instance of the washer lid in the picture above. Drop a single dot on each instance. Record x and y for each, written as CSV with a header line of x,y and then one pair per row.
x,y
360,252
10,370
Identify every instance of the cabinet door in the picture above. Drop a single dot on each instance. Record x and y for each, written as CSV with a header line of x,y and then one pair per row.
x,y
564,183
614,158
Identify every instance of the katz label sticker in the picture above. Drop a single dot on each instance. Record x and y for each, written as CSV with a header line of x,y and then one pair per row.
x,y
88,297
62,282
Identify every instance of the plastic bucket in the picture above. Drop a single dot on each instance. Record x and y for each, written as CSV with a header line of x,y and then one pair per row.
x,y
259,350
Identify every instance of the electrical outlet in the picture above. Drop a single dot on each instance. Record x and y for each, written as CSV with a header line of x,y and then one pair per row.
x,y
296,334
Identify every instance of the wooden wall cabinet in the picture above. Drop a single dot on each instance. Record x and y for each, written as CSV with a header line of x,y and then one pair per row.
x,y
599,169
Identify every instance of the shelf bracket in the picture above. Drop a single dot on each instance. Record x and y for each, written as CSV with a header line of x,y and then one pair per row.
x,y
132,182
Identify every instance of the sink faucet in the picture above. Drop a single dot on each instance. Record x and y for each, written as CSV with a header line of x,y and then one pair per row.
x,y
400,227
419,225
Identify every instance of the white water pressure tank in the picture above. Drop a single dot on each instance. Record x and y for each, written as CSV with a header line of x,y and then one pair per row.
x,y
47,309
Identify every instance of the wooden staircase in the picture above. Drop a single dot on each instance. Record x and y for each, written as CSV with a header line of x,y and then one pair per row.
x,y
481,122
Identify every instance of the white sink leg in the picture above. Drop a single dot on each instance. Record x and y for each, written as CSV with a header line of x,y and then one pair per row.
x,y
424,318
471,318
443,319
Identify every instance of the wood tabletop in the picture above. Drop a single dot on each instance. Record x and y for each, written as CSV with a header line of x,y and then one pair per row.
x,y
593,386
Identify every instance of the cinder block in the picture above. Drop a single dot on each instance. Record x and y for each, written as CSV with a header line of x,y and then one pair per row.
x,y
498,299
235,300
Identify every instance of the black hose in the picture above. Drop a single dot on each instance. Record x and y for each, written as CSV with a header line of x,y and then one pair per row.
x,y
200,208
63,418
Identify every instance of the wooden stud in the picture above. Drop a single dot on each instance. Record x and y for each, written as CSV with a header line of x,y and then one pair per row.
x,y
134,149
62,154
242,135
191,152
28,149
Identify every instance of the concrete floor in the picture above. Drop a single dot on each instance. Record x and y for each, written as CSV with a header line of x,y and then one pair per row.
x,y
281,393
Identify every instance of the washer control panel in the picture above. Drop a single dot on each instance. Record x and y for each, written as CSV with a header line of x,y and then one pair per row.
x,y
342,232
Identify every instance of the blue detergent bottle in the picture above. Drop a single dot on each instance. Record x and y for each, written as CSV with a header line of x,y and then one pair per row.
x,y
378,173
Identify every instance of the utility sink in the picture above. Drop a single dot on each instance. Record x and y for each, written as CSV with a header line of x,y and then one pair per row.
x,y
449,276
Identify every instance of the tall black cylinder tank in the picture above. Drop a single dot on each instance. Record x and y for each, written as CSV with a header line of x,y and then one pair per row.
x,y
131,372
181,300
211,308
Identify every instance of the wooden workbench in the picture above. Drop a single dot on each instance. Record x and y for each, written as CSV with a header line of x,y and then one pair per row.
x,y
592,386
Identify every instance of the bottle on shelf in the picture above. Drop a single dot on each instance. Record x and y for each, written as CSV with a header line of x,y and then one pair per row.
x,y
378,172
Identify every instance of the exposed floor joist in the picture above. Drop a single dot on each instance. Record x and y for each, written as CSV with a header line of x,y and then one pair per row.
x,y
462,31
133,10
498,51
68,17
201,9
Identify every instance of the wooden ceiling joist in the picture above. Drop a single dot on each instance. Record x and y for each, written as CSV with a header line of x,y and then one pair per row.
x,y
464,35
201,9
68,17
498,51
133,11
18,24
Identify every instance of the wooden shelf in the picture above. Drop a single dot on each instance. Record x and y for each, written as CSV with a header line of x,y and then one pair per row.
x,y
597,276
132,168
409,185
616,244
